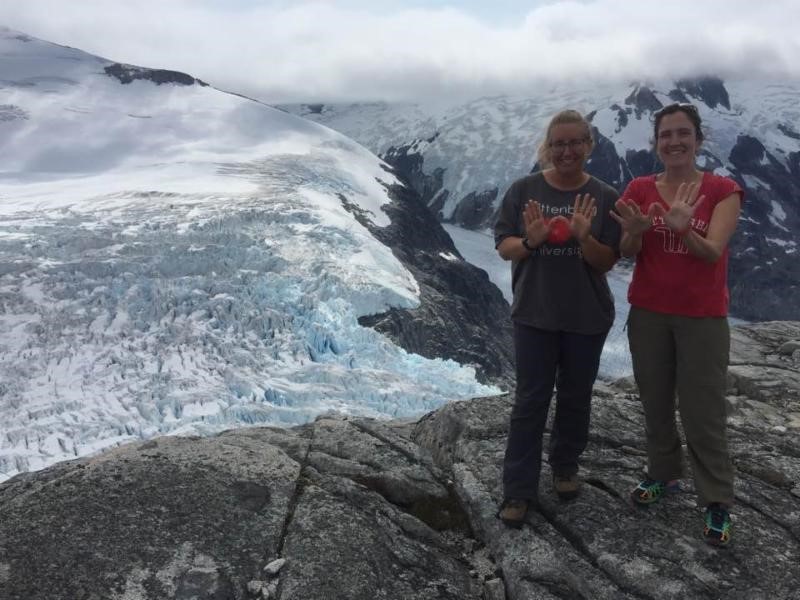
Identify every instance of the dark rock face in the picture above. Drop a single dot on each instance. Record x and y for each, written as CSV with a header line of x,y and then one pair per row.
x,y
622,116
762,287
475,208
748,153
639,161
361,509
794,164
711,90
677,95
462,316
605,164
407,163
315,109
788,131
643,100
129,73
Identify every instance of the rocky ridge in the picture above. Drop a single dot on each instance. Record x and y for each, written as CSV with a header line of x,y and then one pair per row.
x,y
462,316
357,508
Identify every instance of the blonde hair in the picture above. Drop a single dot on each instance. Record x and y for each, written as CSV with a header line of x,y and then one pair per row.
x,y
565,117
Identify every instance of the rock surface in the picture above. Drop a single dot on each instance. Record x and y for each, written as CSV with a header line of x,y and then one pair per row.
x,y
129,73
357,508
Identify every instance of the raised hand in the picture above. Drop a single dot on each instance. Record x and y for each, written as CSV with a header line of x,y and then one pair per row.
x,y
680,213
536,226
631,219
582,213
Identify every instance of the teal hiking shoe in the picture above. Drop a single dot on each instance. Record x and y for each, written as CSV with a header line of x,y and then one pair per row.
x,y
652,490
717,529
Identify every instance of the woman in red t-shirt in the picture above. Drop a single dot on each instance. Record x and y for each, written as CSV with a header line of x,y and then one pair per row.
x,y
677,224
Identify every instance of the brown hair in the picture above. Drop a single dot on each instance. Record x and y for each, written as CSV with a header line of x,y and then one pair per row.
x,y
565,117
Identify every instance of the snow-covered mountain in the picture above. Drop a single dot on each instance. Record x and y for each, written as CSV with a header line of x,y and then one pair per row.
x,y
176,259
461,157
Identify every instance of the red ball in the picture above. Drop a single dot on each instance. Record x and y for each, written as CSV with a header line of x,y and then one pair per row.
x,y
559,230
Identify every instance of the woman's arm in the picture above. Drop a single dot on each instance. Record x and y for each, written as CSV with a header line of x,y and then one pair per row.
x,y
511,248
723,223
598,255
630,244
633,224
536,231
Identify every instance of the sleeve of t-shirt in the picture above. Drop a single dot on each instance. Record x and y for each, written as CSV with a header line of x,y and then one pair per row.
x,y
726,187
508,221
634,192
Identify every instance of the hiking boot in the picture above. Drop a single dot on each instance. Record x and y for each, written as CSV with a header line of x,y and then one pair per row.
x,y
717,530
513,512
566,486
651,490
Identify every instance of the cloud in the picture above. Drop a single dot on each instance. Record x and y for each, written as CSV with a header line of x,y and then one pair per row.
x,y
323,51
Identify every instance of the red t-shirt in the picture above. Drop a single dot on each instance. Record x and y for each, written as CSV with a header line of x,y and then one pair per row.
x,y
666,278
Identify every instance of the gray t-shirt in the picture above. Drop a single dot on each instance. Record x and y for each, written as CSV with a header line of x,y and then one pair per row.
x,y
554,288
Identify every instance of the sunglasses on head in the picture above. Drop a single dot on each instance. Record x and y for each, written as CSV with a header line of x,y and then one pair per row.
x,y
676,106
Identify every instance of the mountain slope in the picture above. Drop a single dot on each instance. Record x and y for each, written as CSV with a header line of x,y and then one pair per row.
x,y
461,158
176,259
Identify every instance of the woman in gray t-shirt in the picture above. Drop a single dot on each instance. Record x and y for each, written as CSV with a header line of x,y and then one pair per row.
x,y
554,226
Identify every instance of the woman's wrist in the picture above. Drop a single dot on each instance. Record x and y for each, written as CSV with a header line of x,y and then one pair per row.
x,y
684,231
631,236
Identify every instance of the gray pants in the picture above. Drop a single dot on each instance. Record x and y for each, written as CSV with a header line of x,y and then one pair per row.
x,y
687,355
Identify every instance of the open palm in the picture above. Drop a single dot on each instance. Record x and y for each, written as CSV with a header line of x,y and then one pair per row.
x,y
632,220
680,213
582,213
536,227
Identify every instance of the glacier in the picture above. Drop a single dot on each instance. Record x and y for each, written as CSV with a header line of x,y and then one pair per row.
x,y
179,260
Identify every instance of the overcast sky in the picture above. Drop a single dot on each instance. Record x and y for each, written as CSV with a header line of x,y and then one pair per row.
x,y
299,50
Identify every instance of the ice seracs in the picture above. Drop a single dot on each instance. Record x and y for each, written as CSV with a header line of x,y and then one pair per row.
x,y
181,260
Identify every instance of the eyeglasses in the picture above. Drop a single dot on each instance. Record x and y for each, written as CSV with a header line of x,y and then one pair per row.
x,y
560,146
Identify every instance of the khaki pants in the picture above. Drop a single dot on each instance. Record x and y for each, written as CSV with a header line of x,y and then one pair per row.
x,y
687,355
